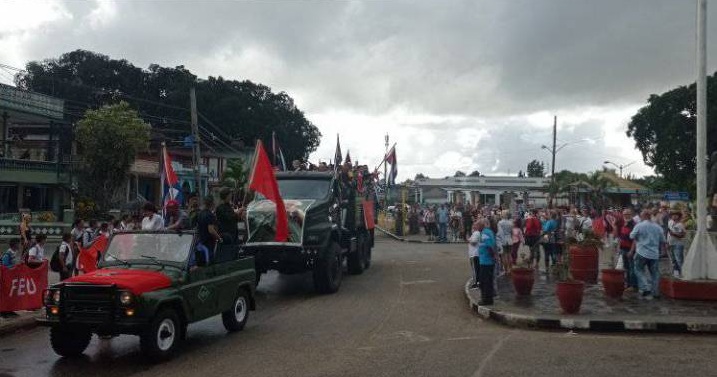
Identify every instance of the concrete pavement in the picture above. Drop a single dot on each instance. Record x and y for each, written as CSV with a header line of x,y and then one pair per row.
x,y
406,316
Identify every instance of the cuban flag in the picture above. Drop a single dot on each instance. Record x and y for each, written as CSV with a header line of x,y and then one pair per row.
x,y
170,183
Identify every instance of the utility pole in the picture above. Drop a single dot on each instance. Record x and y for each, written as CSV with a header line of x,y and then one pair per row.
x,y
552,166
385,172
701,260
196,156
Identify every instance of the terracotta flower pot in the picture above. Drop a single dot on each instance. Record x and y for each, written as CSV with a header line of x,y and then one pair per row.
x,y
613,281
570,295
523,279
584,263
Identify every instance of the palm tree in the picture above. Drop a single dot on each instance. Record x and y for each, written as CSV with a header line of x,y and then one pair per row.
x,y
598,185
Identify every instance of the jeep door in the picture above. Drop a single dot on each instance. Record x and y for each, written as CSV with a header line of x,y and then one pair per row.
x,y
201,293
232,271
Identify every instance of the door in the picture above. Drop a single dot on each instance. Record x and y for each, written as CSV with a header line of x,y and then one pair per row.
x,y
201,293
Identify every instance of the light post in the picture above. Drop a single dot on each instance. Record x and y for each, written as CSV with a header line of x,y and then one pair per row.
x,y
701,260
619,166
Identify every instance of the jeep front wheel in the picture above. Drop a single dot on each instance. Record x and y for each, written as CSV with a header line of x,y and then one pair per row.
x,y
162,337
235,318
328,270
69,342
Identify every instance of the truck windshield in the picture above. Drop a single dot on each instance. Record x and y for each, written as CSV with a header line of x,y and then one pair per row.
x,y
302,189
170,247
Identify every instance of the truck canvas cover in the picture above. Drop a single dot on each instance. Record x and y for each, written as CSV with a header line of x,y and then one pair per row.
x,y
262,220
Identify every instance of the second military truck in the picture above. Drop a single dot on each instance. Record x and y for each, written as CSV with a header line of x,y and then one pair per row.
x,y
330,221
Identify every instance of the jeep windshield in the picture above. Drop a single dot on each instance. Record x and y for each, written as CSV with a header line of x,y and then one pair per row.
x,y
302,189
154,248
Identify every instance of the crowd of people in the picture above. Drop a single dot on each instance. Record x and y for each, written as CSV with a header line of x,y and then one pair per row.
x,y
638,234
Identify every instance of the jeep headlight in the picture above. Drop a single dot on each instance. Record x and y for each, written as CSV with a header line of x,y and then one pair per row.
x,y
312,238
52,297
126,298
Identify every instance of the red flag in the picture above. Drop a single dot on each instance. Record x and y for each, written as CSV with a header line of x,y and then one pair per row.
x,y
264,182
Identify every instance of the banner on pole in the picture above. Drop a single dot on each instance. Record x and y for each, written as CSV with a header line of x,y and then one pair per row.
x,y
21,287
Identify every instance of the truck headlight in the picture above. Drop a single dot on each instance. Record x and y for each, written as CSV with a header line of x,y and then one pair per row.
x,y
126,298
56,297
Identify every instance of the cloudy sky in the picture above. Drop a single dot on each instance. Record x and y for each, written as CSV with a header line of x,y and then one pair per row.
x,y
458,85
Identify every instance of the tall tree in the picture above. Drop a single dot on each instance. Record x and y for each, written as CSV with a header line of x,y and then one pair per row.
x,y
242,111
536,169
108,138
664,131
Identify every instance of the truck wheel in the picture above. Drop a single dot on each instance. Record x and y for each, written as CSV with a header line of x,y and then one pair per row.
x,y
354,261
162,337
69,342
235,318
328,270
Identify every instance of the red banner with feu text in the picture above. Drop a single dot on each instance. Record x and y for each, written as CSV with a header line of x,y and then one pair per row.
x,y
21,287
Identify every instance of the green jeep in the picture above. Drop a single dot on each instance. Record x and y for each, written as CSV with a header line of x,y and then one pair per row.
x,y
151,284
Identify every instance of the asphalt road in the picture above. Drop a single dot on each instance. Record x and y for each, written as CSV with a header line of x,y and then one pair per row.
x,y
406,316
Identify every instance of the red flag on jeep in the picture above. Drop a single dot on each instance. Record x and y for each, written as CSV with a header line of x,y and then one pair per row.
x,y
264,182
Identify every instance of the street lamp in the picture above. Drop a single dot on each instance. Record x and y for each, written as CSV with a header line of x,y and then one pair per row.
x,y
619,166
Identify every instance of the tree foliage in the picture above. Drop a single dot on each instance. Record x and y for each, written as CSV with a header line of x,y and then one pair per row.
x,y
420,176
242,110
108,138
536,169
459,174
664,131
474,173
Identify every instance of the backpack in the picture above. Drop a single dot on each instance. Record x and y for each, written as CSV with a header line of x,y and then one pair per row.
x,y
55,260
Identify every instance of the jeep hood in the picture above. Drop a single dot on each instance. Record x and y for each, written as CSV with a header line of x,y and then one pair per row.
x,y
262,219
136,281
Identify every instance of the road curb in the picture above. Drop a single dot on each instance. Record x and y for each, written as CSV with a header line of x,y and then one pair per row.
x,y
402,239
21,323
584,324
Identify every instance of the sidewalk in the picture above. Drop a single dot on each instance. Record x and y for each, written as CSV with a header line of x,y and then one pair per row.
x,y
24,320
598,313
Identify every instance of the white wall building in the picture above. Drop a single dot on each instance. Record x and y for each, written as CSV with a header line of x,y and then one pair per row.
x,y
507,191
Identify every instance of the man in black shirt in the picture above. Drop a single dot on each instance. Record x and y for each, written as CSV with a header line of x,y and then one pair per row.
x,y
207,228
227,218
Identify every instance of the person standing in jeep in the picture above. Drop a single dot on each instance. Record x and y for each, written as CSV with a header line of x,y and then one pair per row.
x,y
207,232
227,217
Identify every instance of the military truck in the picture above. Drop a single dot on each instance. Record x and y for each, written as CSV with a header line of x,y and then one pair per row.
x,y
328,224
150,284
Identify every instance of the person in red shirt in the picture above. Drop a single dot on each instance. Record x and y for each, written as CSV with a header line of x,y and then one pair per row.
x,y
626,244
532,237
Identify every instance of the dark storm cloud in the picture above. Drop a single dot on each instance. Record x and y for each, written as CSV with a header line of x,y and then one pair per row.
x,y
476,70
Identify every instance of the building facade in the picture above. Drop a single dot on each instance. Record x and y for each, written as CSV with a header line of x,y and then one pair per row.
x,y
486,191
35,150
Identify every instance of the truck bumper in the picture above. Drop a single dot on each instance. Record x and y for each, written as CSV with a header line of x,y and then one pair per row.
x,y
283,257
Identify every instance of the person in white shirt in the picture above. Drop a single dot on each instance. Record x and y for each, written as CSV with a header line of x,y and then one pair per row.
x,y
473,242
36,254
586,223
152,220
66,257
675,240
